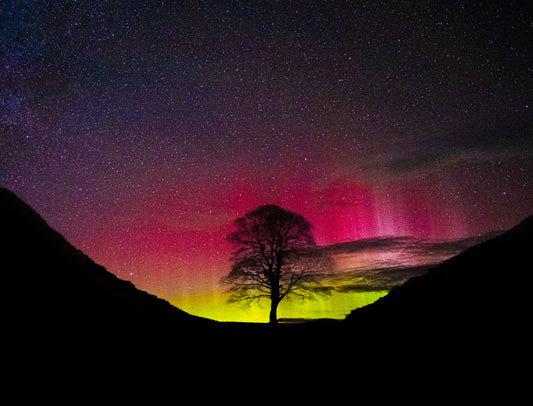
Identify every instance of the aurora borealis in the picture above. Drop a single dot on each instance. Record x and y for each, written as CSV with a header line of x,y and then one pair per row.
x,y
140,130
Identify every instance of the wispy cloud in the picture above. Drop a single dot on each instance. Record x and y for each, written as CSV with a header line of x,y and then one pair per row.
x,y
489,139
504,137
379,264
376,279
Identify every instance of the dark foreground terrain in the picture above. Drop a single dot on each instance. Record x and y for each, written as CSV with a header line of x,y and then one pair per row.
x,y
468,315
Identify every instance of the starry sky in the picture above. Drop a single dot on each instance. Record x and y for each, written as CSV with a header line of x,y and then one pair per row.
x,y
141,129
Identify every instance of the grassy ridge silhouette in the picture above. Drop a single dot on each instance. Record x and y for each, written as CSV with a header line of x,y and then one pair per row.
x,y
472,306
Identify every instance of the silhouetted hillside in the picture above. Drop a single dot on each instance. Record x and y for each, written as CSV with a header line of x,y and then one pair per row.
x,y
59,304
52,288
474,304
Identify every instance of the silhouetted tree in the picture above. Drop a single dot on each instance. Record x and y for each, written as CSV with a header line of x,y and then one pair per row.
x,y
275,256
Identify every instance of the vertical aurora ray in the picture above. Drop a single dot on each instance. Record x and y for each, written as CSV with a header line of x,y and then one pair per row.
x,y
172,244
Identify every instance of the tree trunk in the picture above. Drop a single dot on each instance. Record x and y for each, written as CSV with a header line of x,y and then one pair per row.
x,y
273,319
274,300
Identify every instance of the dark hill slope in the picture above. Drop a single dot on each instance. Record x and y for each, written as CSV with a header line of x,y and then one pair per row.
x,y
53,288
475,303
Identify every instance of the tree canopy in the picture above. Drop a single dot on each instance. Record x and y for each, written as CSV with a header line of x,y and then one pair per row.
x,y
275,256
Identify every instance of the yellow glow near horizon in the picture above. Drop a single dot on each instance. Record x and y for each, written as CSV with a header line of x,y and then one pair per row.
x,y
214,305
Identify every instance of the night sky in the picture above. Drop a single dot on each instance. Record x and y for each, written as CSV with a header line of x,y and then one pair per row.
x,y
141,129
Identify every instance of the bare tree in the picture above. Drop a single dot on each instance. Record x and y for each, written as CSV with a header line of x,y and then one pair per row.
x,y
275,257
